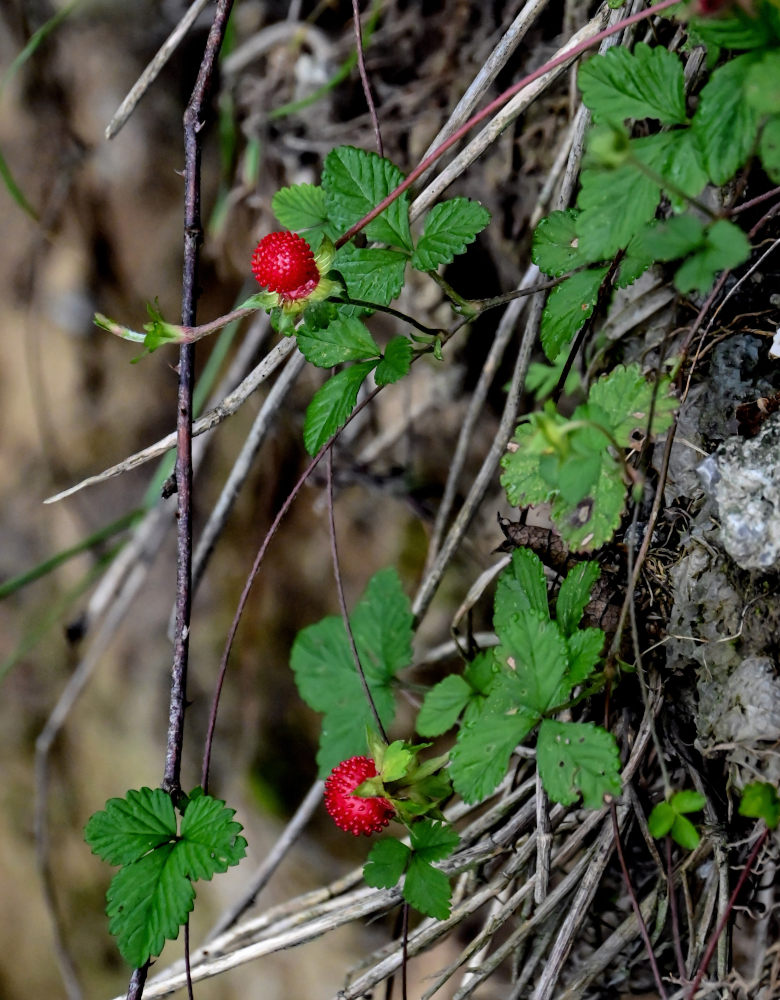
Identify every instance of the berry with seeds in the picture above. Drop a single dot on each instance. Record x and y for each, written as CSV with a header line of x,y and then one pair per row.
x,y
351,812
284,263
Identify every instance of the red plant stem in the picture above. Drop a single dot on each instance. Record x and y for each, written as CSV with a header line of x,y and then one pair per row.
x,y
494,105
635,904
673,910
364,76
715,936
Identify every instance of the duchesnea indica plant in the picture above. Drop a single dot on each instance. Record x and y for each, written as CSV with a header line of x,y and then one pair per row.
x,y
641,202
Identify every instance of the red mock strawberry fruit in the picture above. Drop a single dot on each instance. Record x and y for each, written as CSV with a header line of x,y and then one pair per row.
x,y
284,263
350,812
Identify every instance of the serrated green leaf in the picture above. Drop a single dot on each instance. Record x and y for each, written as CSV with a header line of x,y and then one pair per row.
x,y
574,594
427,889
762,84
432,840
760,800
448,229
676,157
661,819
521,477
372,274
584,647
626,398
614,204
148,901
332,404
769,148
326,675
302,208
577,474
341,340
480,758
685,833
568,306
737,31
386,863
556,245
355,182
725,246
668,240
725,124
594,520
396,362
687,801
578,758
520,587
210,841
130,827
442,705
480,672
645,83
534,655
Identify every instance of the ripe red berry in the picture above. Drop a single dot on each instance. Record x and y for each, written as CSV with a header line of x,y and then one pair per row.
x,y
284,263
350,812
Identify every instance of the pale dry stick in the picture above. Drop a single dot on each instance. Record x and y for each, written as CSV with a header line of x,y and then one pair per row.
x,y
479,955
477,589
490,69
447,650
476,403
229,405
283,32
487,470
531,961
543,843
594,967
271,862
511,111
152,71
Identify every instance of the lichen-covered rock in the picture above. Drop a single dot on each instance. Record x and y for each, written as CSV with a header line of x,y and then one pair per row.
x,y
743,478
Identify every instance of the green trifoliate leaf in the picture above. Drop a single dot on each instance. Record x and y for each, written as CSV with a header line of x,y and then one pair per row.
x,y
332,404
371,273
556,245
725,246
760,800
326,675
725,124
396,362
448,229
769,148
127,828
150,896
341,340
534,659
354,183
762,83
584,648
522,586
568,306
574,594
302,209
427,889
480,758
433,841
667,818
442,705
386,863
578,758
645,83
685,833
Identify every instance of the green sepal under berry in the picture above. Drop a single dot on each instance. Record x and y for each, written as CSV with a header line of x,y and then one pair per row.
x,y
152,893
